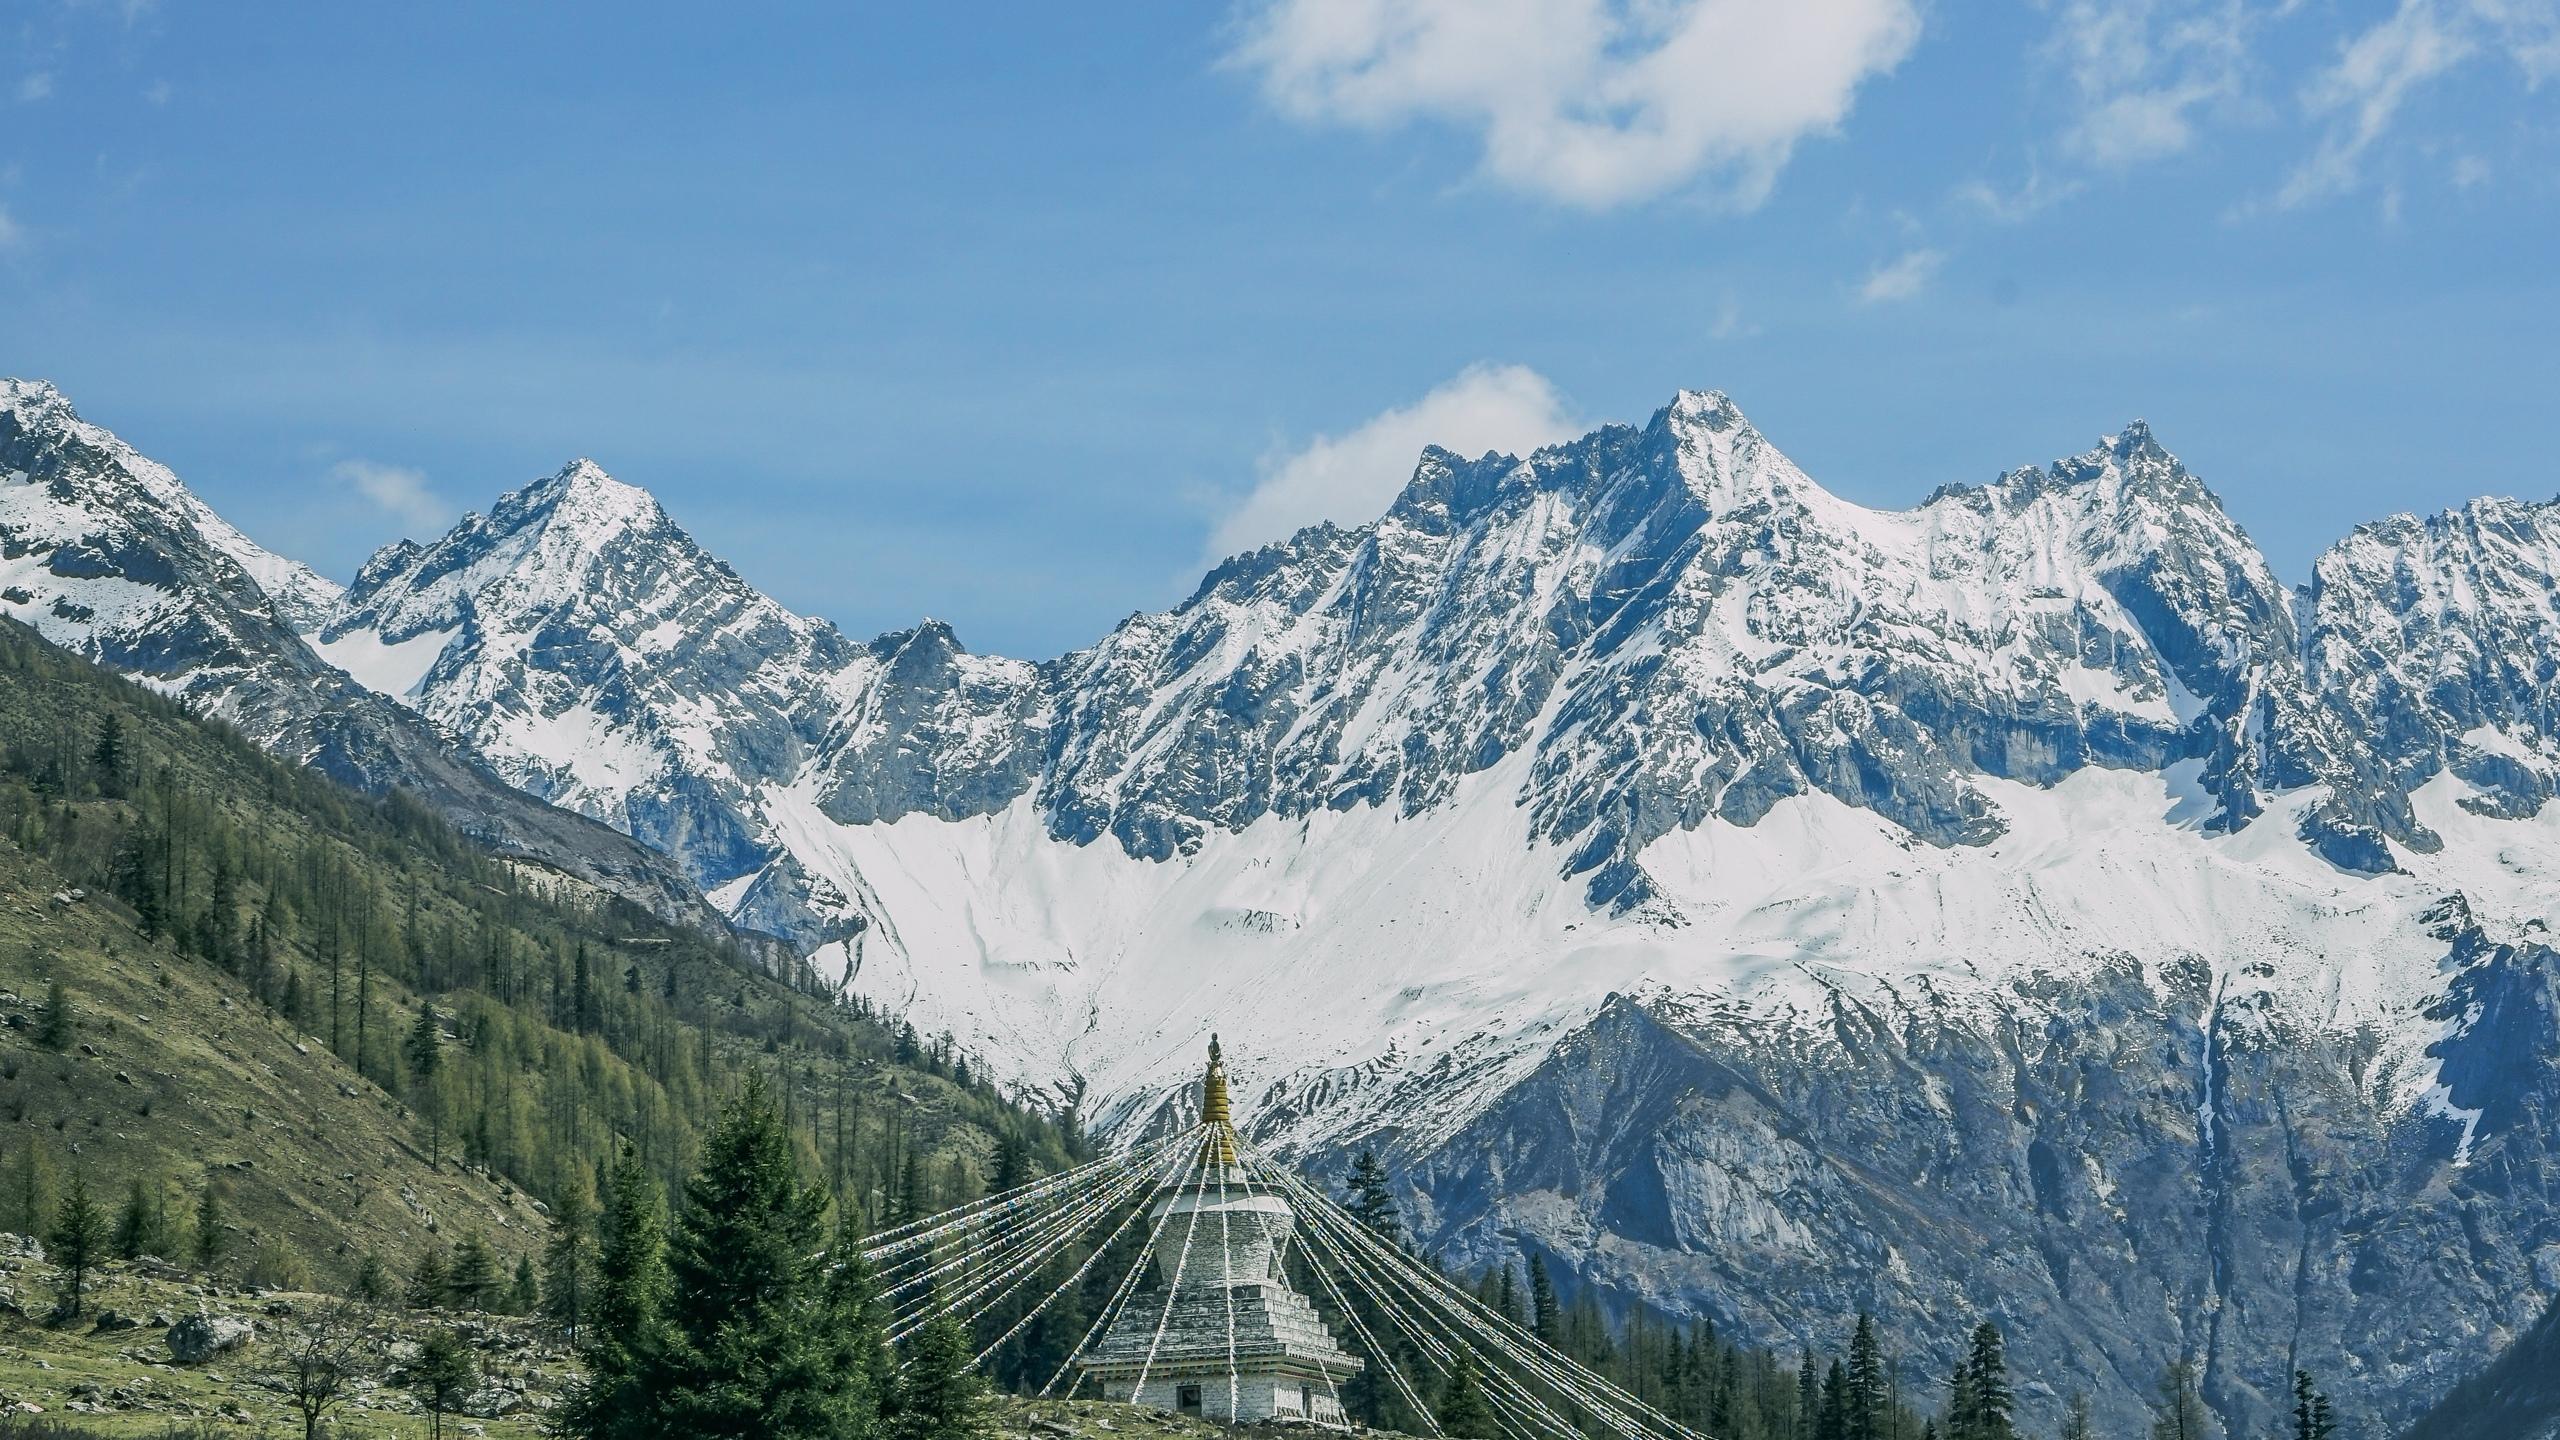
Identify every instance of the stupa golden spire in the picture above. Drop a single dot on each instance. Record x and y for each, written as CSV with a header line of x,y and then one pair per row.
x,y
1214,1111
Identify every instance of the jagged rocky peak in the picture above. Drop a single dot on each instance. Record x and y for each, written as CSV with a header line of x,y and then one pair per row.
x,y
2441,638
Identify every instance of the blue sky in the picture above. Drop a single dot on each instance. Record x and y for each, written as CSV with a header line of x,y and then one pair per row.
x,y
1012,314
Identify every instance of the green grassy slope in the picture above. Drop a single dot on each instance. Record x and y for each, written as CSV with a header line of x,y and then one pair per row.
x,y
248,965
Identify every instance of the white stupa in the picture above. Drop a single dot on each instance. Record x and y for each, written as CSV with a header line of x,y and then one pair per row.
x,y
1216,1331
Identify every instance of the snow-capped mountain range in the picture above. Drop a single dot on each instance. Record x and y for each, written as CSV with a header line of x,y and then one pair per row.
x,y
1752,900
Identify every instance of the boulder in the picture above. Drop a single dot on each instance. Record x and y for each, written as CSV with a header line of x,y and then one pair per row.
x,y
200,1337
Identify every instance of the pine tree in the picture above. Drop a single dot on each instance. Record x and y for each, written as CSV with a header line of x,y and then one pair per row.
x,y
108,756
568,1257
425,1050
473,1282
443,1373
2076,1424
1545,1317
1868,1390
752,1309
1463,1412
524,1293
1832,1423
212,1237
54,1023
1372,1200
2312,1419
1808,1397
2179,1413
1989,1401
431,1280
372,1283
133,1223
78,1237
938,1396
627,1334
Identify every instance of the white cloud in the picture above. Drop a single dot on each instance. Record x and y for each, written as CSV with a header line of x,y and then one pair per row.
x,y
1591,102
2034,195
1901,278
35,87
1350,478
399,491
2362,93
2145,72
10,232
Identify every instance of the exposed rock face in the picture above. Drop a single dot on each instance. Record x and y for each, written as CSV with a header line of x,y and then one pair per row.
x,y
107,554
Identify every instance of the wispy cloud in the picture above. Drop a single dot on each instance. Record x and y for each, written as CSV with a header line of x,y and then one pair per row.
x,y
2361,94
1351,477
2031,197
11,233
35,87
400,492
2146,72
1591,102
1901,278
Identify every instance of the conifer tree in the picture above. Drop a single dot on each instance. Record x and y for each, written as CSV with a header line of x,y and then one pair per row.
x,y
78,1237
568,1258
54,1022
2311,1416
1372,1200
753,1314
1832,1422
108,757
1988,1402
627,1339
1808,1397
431,1280
425,1051
2076,1424
443,1373
1545,1317
473,1282
1463,1412
1868,1392
141,1226
372,1283
524,1293
212,1237
938,1396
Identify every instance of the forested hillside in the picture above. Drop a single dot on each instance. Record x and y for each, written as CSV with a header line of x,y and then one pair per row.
x,y
364,1036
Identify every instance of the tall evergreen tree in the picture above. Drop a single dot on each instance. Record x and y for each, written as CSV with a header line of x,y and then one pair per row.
x,y
1463,1412
568,1258
1545,1316
1372,1199
2312,1419
78,1240
753,1313
212,1232
54,1023
1989,1404
473,1282
425,1052
142,1226
938,1396
627,1333
1831,1422
443,1373
1869,1391
109,757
